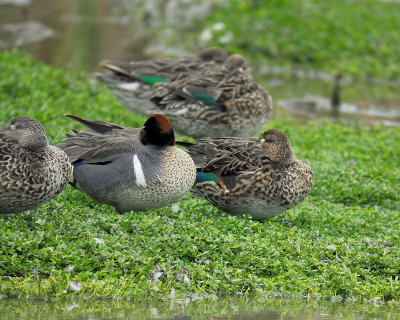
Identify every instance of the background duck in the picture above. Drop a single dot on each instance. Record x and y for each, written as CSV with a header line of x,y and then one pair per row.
x,y
32,171
133,82
256,176
129,168
217,102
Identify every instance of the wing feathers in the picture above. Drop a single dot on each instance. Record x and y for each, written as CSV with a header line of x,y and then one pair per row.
x,y
95,125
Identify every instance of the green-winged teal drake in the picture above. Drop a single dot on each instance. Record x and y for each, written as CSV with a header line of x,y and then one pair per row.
x,y
31,171
217,102
133,82
256,176
129,168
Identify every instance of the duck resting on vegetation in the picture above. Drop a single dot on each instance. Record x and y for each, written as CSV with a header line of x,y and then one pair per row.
x,y
215,103
129,168
256,176
32,171
133,82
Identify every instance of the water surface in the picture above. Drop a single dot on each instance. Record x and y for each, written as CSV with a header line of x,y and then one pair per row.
x,y
223,308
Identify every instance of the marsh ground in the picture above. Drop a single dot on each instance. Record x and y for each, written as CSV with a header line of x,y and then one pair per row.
x,y
342,241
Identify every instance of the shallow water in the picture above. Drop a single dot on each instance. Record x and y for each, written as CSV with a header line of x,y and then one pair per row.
x,y
225,308
368,102
81,33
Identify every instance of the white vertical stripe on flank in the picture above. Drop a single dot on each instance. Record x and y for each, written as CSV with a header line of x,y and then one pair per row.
x,y
137,166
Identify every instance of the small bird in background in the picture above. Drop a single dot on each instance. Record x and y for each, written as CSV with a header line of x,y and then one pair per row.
x,y
133,82
256,176
31,171
218,102
129,168
336,95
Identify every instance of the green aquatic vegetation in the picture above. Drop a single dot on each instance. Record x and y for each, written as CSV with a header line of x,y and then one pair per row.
x,y
356,37
342,241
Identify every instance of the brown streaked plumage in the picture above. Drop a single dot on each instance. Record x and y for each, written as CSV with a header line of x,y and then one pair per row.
x,y
217,102
256,176
31,171
132,82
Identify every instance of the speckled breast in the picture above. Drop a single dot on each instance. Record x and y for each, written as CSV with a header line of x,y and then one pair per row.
x,y
176,177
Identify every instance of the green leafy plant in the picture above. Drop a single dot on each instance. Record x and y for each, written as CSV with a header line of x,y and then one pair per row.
x,y
342,241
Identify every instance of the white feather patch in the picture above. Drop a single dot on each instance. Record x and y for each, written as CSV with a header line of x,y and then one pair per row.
x,y
181,111
137,167
131,86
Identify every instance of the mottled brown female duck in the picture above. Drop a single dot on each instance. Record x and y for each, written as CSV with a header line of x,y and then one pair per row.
x,y
31,171
218,102
133,82
256,176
